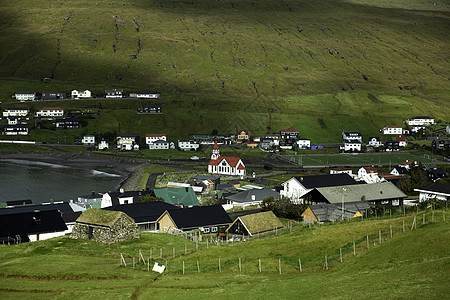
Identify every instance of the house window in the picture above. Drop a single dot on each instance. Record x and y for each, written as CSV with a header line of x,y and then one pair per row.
x,y
205,230
166,229
213,229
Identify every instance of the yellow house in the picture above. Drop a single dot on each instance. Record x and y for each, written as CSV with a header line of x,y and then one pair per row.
x,y
325,212
242,135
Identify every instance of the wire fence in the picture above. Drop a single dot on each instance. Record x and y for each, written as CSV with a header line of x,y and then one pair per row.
x,y
178,261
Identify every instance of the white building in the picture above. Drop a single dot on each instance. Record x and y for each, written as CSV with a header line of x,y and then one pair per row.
x,y
114,93
375,142
340,170
420,121
351,146
19,129
16,112
434,191
393,129
50,112
88,140
150,138
368,175
304,143
76,94
352,136
103,144
225,165
128,142
25,96
159,145
147,95
188,145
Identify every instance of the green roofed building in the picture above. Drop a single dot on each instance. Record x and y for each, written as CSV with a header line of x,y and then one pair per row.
x,y
184,196
105,226
253,224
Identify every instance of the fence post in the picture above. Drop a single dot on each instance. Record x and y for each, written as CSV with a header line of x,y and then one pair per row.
x,y
220,270
183,267
259,259
167,266
133,263
151,254
326,263
196,245
279,265
148,265
403,226
198,267
173,252
340,254
432,215
354,248
240,267
185,249
367,241
300,265
390,229
379,236
207,244
423,218
414,223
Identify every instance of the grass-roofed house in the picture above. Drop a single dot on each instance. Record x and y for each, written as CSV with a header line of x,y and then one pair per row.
x,y
105,226
253,224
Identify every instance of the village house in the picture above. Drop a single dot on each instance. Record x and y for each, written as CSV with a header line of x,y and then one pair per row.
x,y
50,112
103,144
88,140
253,197
77,94
13,120
254,224
298,186
128,142
351,146
242,136
67,123
368,175
275,138
340,170
122,197
303,143
352,137
440,144
145,95
18,129
105,226
156,141
25,96
434,191
179,196
114,93
420,121
328,212
435,174
30,226
188,145
399,171
381,194
150,109
93,200
375,142
401,141
289,134
206,219
144,214
53,96
390,146
225,165
16,112
266,144
392,129
60,206
409,164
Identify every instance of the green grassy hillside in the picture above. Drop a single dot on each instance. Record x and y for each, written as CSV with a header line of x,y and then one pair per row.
x,y
410,265
241,49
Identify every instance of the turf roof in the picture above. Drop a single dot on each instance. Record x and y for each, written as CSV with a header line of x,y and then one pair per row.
x,y
260,222
101,217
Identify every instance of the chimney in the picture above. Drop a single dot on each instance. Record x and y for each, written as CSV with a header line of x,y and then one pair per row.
x,y
37,215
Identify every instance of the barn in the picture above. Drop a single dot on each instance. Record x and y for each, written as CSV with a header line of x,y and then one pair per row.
x,y
105,226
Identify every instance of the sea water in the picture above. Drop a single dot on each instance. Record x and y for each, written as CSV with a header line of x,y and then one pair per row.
x,y
45,182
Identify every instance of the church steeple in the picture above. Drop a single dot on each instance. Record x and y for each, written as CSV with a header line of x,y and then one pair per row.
x,y
215,151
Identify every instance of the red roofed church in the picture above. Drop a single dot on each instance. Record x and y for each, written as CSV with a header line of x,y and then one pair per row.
x,y
225,165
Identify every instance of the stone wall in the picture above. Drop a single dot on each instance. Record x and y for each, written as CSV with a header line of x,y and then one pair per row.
x,y
123,229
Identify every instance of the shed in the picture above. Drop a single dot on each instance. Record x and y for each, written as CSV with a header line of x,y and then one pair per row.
x,y
326,212
255,224
105,226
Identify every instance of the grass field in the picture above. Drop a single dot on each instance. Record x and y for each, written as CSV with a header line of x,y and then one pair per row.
x,y
358,159
411,264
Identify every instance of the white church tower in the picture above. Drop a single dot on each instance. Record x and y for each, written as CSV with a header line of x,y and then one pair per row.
x,y
215,151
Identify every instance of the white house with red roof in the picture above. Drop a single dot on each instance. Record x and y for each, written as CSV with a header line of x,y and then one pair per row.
x,y
50,112
368,175
401,141
225,165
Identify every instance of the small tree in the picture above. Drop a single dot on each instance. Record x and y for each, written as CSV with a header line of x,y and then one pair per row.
x,y
149,198
283,207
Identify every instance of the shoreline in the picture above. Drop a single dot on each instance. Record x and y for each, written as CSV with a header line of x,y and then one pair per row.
x,y
130,168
